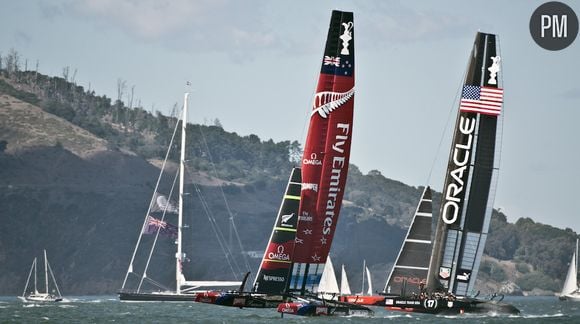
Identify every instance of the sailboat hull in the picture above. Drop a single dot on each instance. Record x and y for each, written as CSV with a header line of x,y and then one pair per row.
x,y
245,300
363,300
161,296
449,307
572,297
42,298
320,307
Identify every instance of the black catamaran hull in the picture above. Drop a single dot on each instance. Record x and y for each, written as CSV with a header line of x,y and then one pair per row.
x,y
250,301
449,307
134,296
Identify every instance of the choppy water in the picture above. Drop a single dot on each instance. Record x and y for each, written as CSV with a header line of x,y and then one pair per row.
x,y
108,309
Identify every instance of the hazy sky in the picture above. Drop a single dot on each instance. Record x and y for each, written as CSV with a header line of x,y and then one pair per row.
x,y
254,65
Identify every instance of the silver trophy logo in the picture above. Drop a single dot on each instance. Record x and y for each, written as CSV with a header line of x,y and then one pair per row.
x,y
346,37
493,69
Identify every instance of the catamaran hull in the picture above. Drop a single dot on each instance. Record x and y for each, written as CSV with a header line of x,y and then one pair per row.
x,y
328,308
244,300
447,307
364,300
134,296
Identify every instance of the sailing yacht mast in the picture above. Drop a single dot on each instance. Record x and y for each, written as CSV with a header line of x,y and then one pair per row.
x,y
45,273
35,286
364,273
179,254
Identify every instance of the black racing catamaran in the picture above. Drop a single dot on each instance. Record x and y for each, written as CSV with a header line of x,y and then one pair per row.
x,y
468,195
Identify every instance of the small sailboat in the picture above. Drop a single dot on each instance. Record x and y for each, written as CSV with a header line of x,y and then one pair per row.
x,y
571,291
344,286
35,295
185,290
328,287
367,275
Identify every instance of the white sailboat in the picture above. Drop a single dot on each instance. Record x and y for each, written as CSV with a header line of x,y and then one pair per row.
x,y
344,286
185,290
328,286
571,291
366,273
36,296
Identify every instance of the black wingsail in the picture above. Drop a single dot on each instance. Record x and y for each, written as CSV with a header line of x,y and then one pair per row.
x,y
471,178
273,275
412,264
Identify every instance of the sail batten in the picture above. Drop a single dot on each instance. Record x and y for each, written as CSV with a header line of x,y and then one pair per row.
x,y
412,263
274,271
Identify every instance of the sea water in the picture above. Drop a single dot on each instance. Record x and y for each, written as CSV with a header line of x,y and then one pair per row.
x,y
108,309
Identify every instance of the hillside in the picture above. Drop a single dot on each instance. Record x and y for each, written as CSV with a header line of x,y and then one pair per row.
x,y
25,125
77,173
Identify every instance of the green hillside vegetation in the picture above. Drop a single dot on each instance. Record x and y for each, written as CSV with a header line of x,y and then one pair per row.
x,y
99,199
137,130
541,252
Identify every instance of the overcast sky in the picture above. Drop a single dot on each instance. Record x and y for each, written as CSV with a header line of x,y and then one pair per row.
x,y
254,65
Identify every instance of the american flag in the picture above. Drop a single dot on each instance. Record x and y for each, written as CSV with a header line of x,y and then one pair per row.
x,y
331,60
483,100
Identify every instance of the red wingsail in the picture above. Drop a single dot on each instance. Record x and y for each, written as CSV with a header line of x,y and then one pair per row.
x,y
326,153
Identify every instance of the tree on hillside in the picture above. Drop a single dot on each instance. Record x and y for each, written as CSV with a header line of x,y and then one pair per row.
x,y
218,123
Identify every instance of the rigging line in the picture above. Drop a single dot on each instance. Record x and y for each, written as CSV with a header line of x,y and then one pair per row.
x,y
227,205
158,284
28,279
53,279
158,230
219,235
445,129
503,104
449,115
129,269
